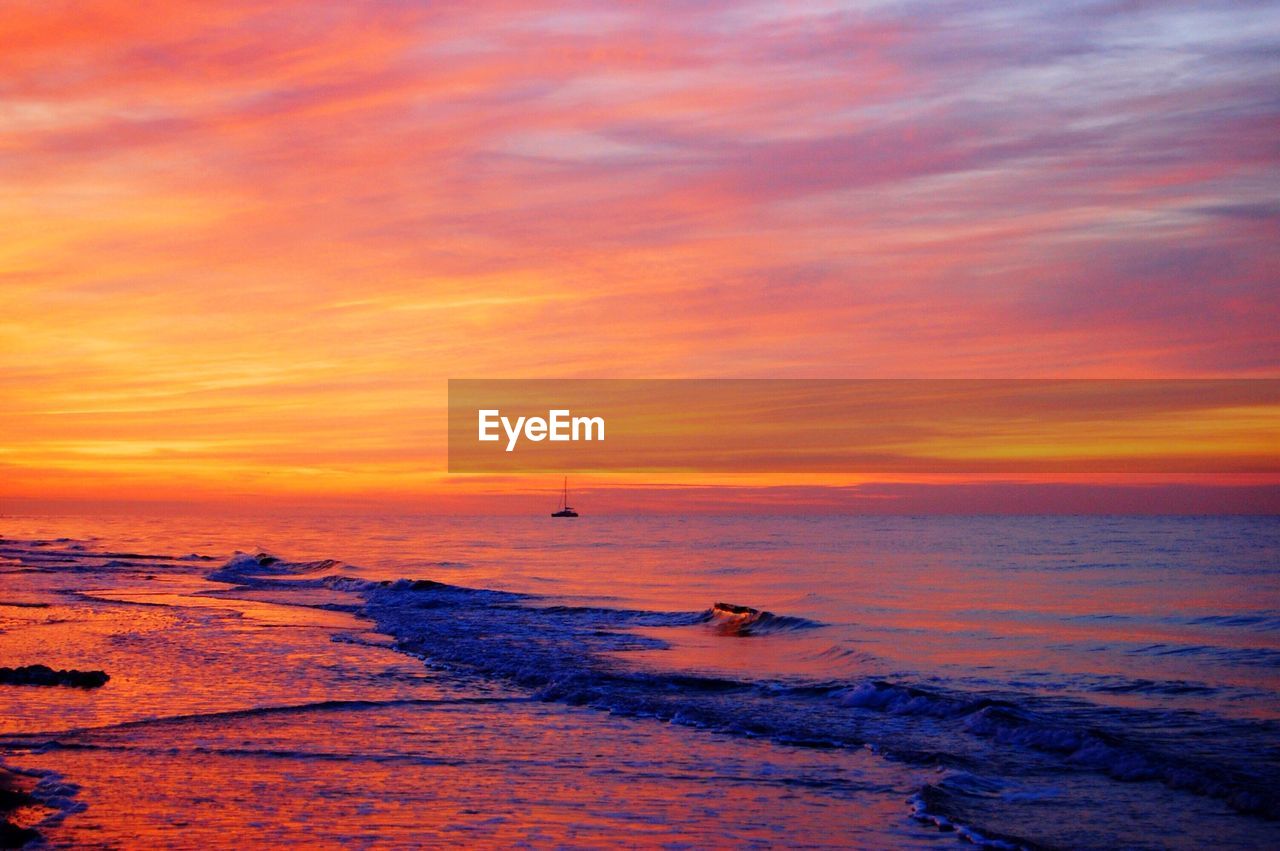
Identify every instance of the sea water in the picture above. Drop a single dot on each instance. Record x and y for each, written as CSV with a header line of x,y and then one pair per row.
x,y
390,681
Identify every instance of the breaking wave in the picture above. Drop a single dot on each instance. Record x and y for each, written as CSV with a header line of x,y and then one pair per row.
x,y
247,567
576,655
728,619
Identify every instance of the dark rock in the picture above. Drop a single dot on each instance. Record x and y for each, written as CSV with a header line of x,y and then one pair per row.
x,y
12,836
43,675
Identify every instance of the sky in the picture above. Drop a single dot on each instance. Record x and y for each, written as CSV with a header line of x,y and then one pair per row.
x,y
244,245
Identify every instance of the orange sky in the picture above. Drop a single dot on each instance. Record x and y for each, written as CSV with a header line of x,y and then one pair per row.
x,y
245,244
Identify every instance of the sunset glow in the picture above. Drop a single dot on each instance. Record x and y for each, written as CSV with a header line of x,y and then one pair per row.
x,y
246,244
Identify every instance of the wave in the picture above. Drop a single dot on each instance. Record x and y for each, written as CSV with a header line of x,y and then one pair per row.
x,y
936,804
1145,686
63,555
49,796
576,654
246,566
729,619
1078,745
47,739
1266,620
1264,657
569,654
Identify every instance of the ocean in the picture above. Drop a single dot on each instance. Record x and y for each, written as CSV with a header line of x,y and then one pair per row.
x,y
655,681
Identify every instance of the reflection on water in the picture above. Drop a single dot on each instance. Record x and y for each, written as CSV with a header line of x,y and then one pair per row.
x,y
1067,681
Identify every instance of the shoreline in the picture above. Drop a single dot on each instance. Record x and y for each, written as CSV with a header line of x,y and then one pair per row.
x,y
14,798
494,661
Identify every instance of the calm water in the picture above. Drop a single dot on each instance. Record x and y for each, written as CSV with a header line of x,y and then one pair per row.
x,y
901,682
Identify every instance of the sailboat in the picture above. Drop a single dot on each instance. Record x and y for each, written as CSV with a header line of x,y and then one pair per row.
x,y
565,510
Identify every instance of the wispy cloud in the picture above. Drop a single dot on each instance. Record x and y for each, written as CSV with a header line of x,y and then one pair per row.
x,y
566,189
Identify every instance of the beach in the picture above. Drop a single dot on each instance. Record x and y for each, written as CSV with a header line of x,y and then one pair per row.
x,y
583,425
392,681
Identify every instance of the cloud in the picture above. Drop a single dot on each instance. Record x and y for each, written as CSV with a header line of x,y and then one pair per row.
x,y
885,189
